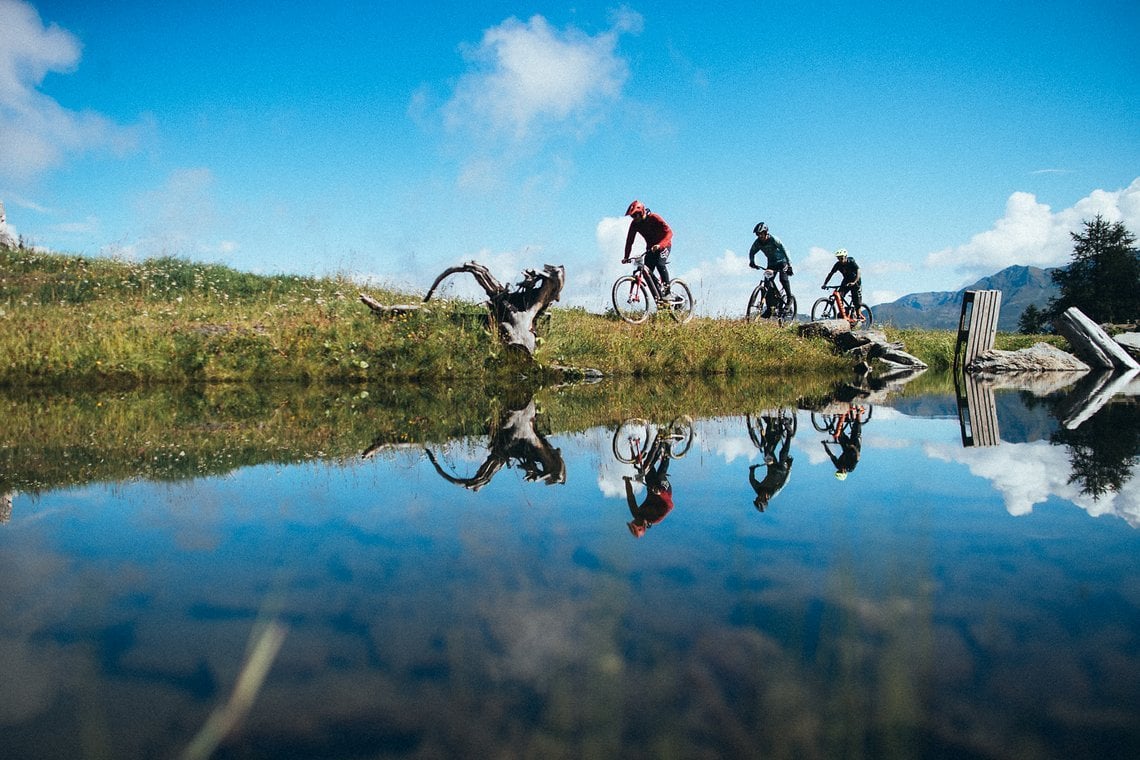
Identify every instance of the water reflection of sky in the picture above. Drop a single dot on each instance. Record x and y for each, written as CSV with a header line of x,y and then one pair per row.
x,y
939,600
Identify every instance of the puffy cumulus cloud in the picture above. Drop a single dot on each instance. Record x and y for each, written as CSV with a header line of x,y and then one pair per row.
x,y
523,73
1031,233
38,132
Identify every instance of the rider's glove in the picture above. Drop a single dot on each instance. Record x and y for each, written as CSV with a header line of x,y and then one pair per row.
x,y
753,265
625,261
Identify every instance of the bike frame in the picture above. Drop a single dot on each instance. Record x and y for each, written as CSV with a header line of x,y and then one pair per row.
x,y
772,285
840,304
642,276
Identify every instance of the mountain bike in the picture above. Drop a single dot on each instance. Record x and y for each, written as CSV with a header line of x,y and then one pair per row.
x,y
636,437
633,295
833,424
771,421
836,306
767,296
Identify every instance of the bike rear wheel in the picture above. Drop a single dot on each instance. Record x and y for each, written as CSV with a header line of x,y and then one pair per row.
x,y
824,423
823,308
682,309
680,435
631,299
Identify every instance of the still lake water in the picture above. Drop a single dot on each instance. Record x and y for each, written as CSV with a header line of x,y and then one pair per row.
x,y
941,600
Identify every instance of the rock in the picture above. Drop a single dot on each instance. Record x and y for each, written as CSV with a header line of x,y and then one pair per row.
x,y
6,237
1041,357
1130,342
862,345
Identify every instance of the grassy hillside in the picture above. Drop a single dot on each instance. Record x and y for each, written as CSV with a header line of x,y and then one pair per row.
x,y
76,321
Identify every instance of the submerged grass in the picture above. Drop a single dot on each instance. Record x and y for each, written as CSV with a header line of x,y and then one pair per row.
x,y
53,439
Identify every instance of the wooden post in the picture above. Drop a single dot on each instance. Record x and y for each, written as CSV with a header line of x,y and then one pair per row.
x,y
977,325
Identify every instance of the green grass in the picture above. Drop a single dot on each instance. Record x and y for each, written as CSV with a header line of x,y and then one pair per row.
x,y
936,347
75,321
72,321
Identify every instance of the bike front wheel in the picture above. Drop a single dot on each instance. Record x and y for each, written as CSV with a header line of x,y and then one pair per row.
x,y
787,313
682,306
631,439
823,308
631,299
866,315
755,304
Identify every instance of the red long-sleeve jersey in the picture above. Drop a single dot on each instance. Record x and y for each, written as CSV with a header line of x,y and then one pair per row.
x,y
652,228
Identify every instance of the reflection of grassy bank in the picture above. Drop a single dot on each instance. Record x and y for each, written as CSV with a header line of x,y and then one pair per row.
x,y
77,322
52,440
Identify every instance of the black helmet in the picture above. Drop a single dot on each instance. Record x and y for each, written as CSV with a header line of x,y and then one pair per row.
x,y
760,227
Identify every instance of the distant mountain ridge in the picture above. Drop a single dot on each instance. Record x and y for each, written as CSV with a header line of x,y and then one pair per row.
x,y
1020,287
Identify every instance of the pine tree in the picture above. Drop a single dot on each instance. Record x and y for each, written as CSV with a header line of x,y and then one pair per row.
x,y
1033,321
1103,280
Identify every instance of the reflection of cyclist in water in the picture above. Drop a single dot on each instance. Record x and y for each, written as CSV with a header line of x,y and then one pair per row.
x,y
777,433
658,491
849,437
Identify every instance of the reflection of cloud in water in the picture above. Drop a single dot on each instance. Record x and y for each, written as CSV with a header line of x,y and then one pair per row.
x,y
729,448
883,442
610,473
1029,473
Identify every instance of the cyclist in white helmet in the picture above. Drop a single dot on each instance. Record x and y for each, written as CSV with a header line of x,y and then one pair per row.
x,y
852,280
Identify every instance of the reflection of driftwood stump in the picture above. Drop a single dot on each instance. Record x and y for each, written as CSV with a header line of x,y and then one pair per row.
x,y
515,311
514,438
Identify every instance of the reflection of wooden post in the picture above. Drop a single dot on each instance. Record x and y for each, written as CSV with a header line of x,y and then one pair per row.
x,y
977,325
977,412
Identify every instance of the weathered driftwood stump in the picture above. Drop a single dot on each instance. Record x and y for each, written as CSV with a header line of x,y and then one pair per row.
x,y
515,311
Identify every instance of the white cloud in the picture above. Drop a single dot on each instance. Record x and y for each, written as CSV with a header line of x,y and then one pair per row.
x,y
1030,233
523,73
38,132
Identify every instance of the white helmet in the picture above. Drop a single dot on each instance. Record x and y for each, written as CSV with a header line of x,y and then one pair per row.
x,y
841,253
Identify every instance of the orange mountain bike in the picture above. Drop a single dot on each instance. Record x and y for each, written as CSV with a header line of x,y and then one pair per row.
x,y
835,306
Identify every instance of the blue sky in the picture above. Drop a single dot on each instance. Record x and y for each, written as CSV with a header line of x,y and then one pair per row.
x,y
936,142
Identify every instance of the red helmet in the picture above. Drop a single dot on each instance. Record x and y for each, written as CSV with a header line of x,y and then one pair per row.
x,y
637,207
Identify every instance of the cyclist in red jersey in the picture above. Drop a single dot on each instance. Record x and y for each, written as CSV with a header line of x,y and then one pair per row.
x,y
658,238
